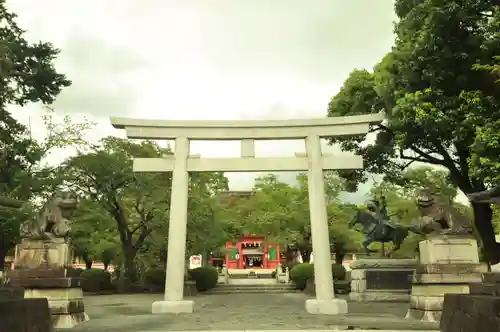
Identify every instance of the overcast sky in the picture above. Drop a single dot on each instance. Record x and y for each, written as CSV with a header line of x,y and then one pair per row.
x,y
206,59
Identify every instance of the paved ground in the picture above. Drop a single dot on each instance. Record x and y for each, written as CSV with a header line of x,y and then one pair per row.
x,y
132,313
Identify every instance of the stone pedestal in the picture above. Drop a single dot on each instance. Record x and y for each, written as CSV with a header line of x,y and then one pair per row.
x,y
464,312
43,269
37,254
282,275
25,315
448,263
382,279
223,277
477,311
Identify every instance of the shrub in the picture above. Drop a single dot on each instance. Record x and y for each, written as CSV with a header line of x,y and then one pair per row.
x,y
342,287
205,277
155,279
300,273
338,272
95,280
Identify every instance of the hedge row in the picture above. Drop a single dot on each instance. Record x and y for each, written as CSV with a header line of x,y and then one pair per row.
x,y
97,280
300,273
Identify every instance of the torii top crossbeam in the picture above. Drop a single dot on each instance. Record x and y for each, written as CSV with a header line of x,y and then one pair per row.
x,y
247,132
246,129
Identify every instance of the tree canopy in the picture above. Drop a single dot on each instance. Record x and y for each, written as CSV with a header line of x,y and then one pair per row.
x,y
127,213
27,72
441,108
27,75
280,212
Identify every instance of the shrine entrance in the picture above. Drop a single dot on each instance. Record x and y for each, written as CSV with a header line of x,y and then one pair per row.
x,y
313,161
251,252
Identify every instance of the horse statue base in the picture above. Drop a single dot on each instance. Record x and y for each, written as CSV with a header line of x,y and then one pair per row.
x,y
382,279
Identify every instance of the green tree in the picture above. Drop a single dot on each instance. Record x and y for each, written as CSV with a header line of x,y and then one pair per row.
x,y
484,162
270,211
25,177
27,72
132,209
207,231
438,106
93,233
280,212
137,202
496,219
437,180
27,75
343,240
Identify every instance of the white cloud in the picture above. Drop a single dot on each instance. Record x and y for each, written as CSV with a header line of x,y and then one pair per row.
x,y
207,59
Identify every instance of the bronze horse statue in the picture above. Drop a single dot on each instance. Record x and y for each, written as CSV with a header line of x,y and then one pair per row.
x,y
377,227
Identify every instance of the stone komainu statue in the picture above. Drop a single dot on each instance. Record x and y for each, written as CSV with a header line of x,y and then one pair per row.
x,y
53,221
438,216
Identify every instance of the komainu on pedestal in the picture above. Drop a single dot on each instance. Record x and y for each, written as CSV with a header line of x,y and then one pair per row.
x,y
479,310
43,260
449,257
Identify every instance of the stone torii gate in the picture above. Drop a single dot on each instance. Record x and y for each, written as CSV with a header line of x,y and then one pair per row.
x,y
313,161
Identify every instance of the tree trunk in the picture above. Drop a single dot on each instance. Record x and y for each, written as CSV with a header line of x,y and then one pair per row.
x,y
204,258
128,273
3,254
289,256
339,256
88,264
483,215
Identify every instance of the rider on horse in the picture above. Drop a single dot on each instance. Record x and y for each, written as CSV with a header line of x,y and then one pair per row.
x,y
378,209
376,226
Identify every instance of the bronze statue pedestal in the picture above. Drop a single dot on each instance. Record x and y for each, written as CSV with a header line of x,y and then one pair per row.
x,y
43,269
448,264
382,279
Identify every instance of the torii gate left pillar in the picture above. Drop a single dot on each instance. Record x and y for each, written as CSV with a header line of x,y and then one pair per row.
x,y
314,162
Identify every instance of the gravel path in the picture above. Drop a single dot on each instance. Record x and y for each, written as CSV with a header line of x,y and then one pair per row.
x,y
132,313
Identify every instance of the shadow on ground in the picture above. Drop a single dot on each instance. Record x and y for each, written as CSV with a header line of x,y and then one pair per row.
x,y
132,313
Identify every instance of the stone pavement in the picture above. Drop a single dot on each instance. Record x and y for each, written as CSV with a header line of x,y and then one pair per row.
x,y
230,312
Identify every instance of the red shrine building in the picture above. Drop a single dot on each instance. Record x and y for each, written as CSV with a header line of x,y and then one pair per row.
x,y
252,252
